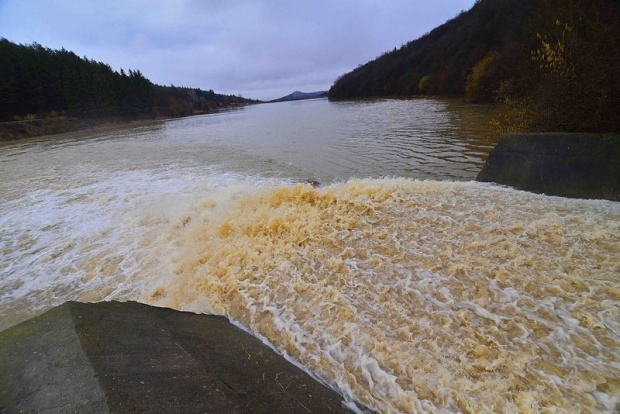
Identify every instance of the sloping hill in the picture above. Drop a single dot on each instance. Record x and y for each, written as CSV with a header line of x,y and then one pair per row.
x,y
439,62
553,64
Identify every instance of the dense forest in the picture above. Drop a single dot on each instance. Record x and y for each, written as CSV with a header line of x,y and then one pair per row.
x,y
552,64
39,82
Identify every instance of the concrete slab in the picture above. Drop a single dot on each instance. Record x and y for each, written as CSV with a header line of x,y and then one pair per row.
x,y
572,165
130,357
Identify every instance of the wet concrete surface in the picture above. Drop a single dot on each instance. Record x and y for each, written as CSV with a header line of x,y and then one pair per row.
x,y
130,357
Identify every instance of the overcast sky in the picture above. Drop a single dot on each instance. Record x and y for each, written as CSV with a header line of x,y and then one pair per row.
x,y
261,49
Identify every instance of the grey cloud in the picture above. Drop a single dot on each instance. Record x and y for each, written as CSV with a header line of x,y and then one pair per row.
x,y
261,49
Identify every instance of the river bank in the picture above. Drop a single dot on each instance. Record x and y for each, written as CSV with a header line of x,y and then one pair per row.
x,y
11,131
29,128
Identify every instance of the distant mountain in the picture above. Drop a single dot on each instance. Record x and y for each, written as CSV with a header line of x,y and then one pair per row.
x,y
297,96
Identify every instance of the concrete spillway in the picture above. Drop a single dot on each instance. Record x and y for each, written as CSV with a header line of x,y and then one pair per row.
x,y
129,357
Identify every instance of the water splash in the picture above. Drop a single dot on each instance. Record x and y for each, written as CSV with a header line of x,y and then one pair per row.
x,y
419,296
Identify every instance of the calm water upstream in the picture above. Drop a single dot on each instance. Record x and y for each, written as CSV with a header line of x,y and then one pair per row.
x,y
399,281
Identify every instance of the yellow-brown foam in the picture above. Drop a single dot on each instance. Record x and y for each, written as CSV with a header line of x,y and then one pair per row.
x,y
419,296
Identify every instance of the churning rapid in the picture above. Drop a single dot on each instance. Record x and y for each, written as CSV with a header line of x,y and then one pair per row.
x,y
406,295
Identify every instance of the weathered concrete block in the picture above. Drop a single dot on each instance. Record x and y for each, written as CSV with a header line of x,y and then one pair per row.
x,y
567,165
129,357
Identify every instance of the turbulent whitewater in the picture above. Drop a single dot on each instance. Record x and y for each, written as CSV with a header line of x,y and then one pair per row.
x,y
406,295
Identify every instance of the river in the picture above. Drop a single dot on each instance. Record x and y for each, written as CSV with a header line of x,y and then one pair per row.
x,y
398,280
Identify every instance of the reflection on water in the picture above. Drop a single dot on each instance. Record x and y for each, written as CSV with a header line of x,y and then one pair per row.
x,y
340,140
407,295
425,139
311,139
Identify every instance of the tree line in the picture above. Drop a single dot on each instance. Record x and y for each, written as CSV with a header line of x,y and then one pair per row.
x,y
38,81
551,64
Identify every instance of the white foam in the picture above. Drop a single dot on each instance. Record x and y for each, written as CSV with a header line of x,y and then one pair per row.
x,y
403,295
98,236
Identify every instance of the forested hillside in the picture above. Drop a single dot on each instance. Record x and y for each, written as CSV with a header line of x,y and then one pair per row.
x,y
38,81
554,64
